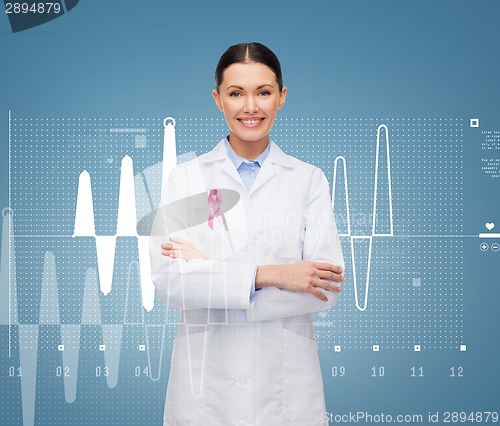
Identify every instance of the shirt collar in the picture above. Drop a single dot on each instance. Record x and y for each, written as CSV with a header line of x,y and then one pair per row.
x,y
237,160
276,155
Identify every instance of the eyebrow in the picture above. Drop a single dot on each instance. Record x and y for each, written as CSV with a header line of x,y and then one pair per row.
x,y
241,88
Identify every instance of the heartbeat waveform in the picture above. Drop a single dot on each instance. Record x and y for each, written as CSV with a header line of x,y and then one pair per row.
x,y
49,315
69,334
382,223
127,215
130,202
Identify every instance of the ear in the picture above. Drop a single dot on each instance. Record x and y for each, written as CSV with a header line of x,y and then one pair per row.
x,y
217,100
282,97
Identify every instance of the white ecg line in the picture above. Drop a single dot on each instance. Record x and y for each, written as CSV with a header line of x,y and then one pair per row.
x,y
374,211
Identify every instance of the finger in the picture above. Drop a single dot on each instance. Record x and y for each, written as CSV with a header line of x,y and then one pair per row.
x,y
327,285
315,292
172,250
176,239
176,245
179,242
179,253
169,247
331,276
168,253
175,250
328,267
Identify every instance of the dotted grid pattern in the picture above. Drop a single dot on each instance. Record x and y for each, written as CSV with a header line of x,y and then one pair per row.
x,y
95,402
426,181
426,158
47,157
11,380
136,367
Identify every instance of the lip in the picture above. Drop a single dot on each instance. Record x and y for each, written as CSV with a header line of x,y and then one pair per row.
x,y
251,122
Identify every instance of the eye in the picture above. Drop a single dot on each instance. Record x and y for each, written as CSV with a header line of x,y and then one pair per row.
x,y
264,93
235,94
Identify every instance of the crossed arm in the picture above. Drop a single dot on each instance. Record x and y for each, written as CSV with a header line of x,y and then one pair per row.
x,y
306,276
186,279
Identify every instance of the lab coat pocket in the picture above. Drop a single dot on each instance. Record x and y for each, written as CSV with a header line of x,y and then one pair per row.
x,y
282,253
283,242
186,385
304,392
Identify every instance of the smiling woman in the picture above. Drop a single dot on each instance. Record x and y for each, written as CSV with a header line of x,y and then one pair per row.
x,y
249,97
248,279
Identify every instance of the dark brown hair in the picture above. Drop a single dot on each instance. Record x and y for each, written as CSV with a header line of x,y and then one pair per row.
x,y
245,53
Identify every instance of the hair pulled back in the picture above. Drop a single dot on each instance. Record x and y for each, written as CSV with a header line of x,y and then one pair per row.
x,y
245,53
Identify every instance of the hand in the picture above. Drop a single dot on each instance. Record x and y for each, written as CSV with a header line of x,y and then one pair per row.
x,y
181,249
305,277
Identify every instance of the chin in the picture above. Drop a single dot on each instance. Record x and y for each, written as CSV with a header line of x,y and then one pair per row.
x,y
252,138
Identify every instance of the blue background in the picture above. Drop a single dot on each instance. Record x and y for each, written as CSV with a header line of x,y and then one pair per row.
x,y
383,60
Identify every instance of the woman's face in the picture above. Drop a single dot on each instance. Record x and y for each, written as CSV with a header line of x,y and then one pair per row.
x,y
249,97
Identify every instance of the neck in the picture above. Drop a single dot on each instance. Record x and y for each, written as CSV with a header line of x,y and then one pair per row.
x,y
249,150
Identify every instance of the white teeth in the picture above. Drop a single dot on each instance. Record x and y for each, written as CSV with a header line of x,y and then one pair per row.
x,y
251,121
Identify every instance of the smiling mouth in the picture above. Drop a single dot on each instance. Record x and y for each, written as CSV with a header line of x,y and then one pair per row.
x,y
251,122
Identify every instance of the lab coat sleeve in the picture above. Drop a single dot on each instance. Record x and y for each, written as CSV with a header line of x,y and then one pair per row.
x,y
322,244
198,283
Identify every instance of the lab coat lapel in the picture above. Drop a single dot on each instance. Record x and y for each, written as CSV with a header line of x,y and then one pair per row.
x,y
228,168
219,154
265,173
275,158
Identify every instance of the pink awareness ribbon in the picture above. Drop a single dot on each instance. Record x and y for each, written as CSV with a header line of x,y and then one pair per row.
x,y
215,208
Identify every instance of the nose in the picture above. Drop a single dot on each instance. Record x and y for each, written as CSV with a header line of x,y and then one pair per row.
x,y
251,106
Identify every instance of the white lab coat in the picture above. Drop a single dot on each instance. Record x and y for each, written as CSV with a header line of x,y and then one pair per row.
x,y
238,361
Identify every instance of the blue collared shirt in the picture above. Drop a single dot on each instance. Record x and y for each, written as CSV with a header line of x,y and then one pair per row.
x,y
248,170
